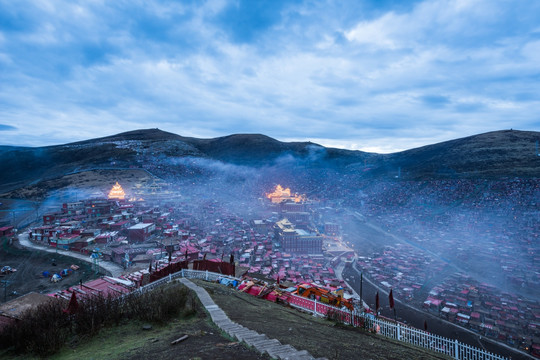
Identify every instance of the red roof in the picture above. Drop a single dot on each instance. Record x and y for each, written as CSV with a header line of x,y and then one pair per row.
x,y
104,286
120,223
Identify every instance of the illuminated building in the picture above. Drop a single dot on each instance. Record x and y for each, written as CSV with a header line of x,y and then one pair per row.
x,y
280,194
117,192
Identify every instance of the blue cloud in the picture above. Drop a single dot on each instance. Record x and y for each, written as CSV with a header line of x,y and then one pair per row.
x,y
435,101
17,19
245,20
469,107
310,70
4,127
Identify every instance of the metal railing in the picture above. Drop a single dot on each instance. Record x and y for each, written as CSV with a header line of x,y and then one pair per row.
x,y
190,274
389,329
397,331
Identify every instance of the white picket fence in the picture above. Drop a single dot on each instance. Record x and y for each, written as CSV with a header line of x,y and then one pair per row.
x,y
396,331
433,342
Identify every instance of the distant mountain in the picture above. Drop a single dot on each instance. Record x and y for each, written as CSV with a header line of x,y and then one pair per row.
x,y
241,149
506,153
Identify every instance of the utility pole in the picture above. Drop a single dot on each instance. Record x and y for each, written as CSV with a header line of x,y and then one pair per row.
x,y
361,285
6,283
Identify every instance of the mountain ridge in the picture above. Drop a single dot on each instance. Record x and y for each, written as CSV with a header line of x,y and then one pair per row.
x,y
497,154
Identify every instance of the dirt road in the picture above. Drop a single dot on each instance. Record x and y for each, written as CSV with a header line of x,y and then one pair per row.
x,y
107,267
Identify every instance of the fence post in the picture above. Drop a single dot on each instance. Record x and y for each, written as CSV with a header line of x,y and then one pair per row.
x,y
399,332
456,349
206,275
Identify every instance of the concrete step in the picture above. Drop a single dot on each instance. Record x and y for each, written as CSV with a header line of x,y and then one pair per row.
x,y
270,348
228,325
265,344
243,334
251,341
302,357
284,350
230,329
223,322
283,354
219,317
255,337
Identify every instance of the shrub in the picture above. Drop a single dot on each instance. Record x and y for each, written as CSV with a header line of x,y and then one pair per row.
x,y
46,328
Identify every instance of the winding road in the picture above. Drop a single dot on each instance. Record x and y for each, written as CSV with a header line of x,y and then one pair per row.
x,y
114,269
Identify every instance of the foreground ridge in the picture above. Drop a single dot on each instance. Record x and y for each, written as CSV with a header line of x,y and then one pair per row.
x,y
259,341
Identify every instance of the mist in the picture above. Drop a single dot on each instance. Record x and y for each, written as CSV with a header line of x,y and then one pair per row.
x,y
455,241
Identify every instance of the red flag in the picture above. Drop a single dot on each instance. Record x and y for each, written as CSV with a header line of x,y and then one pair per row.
x,y
377,305
391,299
425,325
73,305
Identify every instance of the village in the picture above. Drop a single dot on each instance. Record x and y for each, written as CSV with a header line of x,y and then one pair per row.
x,y
281,245
444,278
286,237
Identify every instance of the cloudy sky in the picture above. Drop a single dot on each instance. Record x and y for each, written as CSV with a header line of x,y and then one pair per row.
x,y
381,75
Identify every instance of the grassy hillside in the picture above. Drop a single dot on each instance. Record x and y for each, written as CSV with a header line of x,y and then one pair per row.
x,y
322,338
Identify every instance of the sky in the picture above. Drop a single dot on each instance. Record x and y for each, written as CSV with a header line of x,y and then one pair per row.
x,y
381,75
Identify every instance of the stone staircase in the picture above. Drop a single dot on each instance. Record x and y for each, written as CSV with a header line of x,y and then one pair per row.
x,y
260,342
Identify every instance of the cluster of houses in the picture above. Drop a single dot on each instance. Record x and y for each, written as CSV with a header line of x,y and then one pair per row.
x,y
488,228
458,298
504,241
135,233
104,224
402,268
484,309
472,222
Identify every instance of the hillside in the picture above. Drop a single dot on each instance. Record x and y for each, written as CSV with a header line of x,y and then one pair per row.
x,y
508,153
322,338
